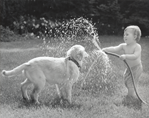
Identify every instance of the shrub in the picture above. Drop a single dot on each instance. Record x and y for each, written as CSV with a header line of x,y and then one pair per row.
x,y
60,28
6,34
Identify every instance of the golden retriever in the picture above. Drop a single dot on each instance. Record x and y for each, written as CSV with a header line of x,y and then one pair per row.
x,y
62,72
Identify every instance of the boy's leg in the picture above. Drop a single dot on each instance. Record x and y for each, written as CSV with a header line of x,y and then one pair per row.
x,y
132,96
128,81
130,87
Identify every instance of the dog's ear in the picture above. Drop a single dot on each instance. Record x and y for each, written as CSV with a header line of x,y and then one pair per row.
x,y
79,56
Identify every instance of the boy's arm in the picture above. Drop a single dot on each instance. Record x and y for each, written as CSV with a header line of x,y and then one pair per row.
x,y
114,48
133,56
95,40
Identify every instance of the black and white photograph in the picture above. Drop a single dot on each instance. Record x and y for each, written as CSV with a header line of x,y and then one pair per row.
x,y
74,58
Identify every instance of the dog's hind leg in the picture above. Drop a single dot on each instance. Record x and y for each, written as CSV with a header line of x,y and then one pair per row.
x,y
35,94
24,86
38,87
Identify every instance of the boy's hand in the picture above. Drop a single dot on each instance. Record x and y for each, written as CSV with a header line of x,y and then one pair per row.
x,y
104,49
95,43
123,57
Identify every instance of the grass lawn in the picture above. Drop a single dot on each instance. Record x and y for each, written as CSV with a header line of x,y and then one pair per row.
x,y
96,103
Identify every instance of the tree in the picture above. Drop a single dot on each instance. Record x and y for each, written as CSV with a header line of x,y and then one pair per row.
x,y
136,13
110,15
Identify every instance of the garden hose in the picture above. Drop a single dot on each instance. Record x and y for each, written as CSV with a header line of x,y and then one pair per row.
x,y
113,54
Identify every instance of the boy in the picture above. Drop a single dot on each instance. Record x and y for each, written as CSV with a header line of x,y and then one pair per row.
x,y
132,55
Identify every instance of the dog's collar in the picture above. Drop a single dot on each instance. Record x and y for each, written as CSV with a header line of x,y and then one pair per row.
x,y
73,60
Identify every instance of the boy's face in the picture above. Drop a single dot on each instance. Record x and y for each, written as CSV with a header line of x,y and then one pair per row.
x,y
129,36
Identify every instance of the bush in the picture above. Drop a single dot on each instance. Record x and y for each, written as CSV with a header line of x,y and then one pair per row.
x,y
60,28
6,34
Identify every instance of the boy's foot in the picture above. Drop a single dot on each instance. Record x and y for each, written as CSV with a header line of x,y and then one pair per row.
x,y
131,101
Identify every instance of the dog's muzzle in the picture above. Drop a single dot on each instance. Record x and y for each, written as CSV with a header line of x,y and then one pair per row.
x,y
86,54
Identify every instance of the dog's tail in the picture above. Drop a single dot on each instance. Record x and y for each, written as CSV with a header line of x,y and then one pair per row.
x,y
15,71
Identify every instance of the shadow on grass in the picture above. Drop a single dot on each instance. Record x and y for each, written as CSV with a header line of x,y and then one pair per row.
x,y
54,103
130,102
63,103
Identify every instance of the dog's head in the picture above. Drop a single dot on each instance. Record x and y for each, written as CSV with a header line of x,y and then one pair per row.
x,y
77,52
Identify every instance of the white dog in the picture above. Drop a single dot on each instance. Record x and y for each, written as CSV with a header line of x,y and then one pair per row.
x,y
62,72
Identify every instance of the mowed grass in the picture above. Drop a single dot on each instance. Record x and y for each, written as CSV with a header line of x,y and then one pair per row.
x,y
88,102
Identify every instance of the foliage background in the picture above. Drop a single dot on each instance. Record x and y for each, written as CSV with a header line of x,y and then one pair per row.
x,y
109,16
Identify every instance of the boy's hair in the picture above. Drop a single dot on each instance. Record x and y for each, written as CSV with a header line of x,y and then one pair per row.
x,y
136,30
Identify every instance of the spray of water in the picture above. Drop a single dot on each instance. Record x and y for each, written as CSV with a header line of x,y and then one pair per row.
x,y
99,75
98,66
72,30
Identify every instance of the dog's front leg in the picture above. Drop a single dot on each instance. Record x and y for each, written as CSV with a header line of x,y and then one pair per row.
x,y
58,91
69,92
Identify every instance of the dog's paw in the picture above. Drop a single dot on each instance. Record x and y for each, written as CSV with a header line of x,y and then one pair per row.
x,y
25,99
